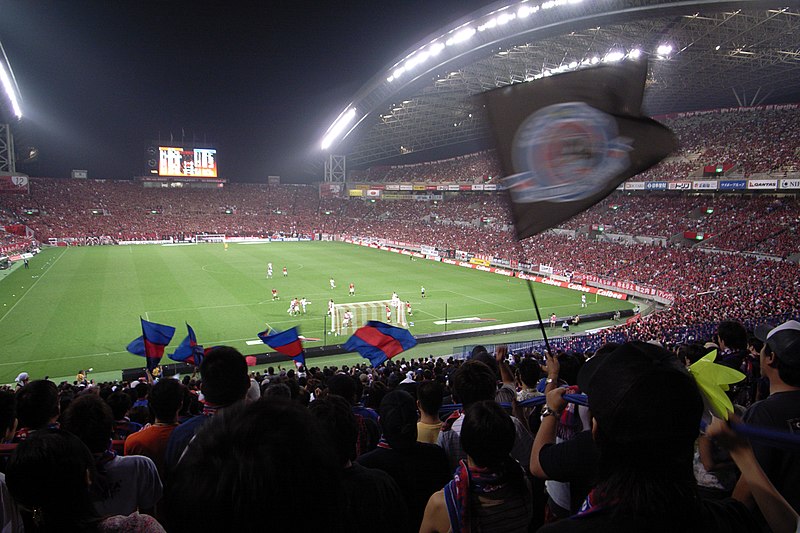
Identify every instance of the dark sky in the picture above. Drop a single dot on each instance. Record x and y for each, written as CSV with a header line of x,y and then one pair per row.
x,y
259,80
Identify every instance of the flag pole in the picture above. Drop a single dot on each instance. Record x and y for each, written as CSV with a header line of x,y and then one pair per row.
x,y
539,316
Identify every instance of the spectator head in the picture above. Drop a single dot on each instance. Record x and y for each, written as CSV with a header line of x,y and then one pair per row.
x,y
166,399
732,335
225,378
570,364
645,405
398,419
90,419
429,397
120,403
344,386
690,353
277,389
247,454
480,353
473,382
8,415
47,475
142,390
529,372
37,404
782,350
487,434
334,415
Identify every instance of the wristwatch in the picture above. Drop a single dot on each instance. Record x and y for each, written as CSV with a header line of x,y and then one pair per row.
x,y
550,380
549,412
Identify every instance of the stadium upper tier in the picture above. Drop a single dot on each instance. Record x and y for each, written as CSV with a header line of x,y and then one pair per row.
x,y
703,55
746,142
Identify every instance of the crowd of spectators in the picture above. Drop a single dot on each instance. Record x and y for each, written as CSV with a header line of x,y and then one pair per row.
x,y
209,452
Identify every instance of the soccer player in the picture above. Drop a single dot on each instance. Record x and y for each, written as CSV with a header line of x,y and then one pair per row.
x,y
269,271
388,314
347,318
275,294
285,272
352,289
330,307
422,291
583,300
333,283
409,312
303,304
552,321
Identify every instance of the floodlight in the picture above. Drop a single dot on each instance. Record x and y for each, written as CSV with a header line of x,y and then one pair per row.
x,y
524,12
461,36
664,50
613,57
635,53
574,64
8,85
505,18
338,126
717,47
489,24
436,48
595,60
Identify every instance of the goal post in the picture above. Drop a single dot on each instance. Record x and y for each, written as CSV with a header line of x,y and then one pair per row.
x,y
363,312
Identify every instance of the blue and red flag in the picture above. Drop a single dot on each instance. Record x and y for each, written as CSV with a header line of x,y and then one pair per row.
x,y
286,342
189,351
378,341
151,344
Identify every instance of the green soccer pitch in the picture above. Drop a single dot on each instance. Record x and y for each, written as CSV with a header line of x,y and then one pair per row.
x,y
77,308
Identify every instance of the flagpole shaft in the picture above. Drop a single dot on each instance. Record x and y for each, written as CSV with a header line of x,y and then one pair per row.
x,y
325,331
445,316
539,316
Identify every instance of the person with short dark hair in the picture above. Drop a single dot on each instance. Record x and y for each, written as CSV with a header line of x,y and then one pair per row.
x,y
372,496
250,455
121,404
166,400
225,381
489,492
429,401
51,475
37,408
127,483
368,429
419,469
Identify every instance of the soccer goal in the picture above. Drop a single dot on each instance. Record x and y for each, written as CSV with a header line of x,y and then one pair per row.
x,y
362,312
209,237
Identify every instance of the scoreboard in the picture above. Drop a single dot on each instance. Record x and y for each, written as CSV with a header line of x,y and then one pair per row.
x,y
187,162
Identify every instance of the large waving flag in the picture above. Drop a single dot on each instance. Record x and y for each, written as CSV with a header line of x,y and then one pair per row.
x,y
378,341
151,344
567,141
285,342
189,351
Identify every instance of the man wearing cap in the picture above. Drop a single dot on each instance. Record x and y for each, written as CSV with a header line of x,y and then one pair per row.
x,y
780,363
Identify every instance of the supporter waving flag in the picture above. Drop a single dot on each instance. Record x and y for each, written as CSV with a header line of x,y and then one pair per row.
x,y
286,342
378,341
151,344
189,351
567,141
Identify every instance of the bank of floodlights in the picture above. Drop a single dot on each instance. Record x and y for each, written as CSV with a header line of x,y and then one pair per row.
x,y
9,83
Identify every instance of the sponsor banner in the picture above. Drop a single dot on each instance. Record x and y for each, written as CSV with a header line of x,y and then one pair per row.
x,y
330,190
655,185
379,187
705,185
393,187
418,187
573,286
546,269
14,185
632,287
431,188
476,261
164,241
355,192
373,193
406,187
790,184
452,187
489,186
732,185
680,186
429,250
463,256
442,187
634,186
465,187
762,184
478,187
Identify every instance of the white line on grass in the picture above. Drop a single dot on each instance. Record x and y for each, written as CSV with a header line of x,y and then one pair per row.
x,y
480,300
32,285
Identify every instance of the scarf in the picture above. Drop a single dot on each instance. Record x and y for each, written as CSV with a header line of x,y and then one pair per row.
x,y
466,481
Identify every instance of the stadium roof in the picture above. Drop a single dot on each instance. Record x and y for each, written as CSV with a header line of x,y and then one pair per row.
x,y
705,54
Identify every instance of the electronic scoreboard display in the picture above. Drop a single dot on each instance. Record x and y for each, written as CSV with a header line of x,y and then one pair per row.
x,y
187,162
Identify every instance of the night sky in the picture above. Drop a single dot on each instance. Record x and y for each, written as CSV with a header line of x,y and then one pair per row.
x,y
259,81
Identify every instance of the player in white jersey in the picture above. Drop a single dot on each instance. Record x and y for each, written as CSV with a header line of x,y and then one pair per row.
x,y
347,319
422,291
269,271
303,304
583,300
333,283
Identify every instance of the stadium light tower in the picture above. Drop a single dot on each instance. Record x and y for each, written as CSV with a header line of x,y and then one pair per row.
x,y
10,87
11,90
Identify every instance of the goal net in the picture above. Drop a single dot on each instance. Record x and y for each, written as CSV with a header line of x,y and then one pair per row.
x,y
209,237
362,312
